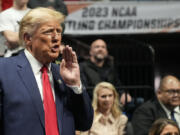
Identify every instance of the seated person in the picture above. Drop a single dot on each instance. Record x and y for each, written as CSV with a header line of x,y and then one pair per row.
x,y
164,127
100,67
166,104
108,118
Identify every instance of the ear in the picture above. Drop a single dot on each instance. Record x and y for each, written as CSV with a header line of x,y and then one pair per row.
x,y
27,38
159,92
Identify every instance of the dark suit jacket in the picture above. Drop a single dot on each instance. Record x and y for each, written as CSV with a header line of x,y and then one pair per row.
x,y
21,107
145,115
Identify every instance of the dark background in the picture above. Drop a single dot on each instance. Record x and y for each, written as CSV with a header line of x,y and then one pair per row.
x,y
139,58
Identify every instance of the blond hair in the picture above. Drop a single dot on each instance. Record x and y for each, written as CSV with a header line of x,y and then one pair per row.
x,y
36,17
115,110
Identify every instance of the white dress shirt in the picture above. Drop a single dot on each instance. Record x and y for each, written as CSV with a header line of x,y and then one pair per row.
x,y
176,113
36,67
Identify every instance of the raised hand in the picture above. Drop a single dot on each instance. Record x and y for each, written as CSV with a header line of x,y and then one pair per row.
x,y
69,68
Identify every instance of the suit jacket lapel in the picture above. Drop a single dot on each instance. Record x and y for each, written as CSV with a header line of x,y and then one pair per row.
x,y
59,95
161,112
26,73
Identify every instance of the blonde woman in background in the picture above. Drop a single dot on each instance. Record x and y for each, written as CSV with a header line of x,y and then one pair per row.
x,y
108,118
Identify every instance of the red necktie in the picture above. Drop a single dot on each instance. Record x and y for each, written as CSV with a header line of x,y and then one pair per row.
x,y
51,125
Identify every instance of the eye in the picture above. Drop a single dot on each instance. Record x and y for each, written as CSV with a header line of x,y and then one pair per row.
x,y
48,32
97,46
167,134
103,96
59,31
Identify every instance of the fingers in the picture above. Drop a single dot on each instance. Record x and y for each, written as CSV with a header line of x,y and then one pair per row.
x,y
74,57
69,55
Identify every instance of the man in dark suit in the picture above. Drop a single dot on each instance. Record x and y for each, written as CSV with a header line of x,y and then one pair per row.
x,y
42,101
167,100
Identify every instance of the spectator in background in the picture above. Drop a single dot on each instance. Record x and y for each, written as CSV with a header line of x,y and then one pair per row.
x,y
100,67
166,104
164,127
54,4
9,26
108,118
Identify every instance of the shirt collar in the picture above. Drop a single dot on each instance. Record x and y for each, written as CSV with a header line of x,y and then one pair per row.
x,y
35,64
176,109
102,119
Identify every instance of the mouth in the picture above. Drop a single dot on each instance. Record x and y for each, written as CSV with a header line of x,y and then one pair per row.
x,y
55,49
175,100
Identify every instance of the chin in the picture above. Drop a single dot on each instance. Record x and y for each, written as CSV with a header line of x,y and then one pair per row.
x,y
54,55
51,58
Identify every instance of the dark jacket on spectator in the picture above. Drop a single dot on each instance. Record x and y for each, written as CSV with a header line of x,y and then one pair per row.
x,y
92,74
145,115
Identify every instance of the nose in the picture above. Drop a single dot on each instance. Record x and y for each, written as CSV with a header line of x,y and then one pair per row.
x,y
107,97
175,94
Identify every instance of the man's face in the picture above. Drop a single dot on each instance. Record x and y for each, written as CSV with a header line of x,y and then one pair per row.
x,y
169,95
44,44
99,50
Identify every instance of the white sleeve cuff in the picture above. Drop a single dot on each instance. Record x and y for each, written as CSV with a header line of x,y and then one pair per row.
x,y
76,89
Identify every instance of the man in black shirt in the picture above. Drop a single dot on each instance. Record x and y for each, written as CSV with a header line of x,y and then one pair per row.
x,y
99,67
